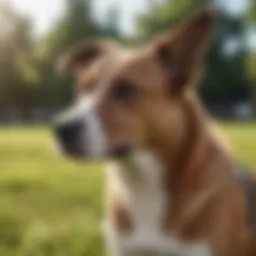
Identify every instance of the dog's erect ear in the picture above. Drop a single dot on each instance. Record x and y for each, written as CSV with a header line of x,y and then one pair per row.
x,y
82,56
181,52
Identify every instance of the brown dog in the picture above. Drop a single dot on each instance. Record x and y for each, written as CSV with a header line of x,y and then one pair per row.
x,y
173,188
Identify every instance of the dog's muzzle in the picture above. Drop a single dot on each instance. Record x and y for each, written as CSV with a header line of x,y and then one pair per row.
x,y
79,134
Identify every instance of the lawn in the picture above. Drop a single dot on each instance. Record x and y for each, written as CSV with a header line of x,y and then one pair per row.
x,y
52,207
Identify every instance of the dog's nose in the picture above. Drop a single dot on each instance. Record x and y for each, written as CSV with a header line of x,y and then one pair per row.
x,y
68,132
69,135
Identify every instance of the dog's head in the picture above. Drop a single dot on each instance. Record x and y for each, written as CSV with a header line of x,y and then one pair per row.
x,y
129,100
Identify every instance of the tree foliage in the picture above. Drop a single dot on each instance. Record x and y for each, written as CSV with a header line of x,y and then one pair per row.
x,y
27,74
16,73
77,24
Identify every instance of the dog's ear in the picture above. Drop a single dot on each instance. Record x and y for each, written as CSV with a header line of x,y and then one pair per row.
x,y
181,52
82,56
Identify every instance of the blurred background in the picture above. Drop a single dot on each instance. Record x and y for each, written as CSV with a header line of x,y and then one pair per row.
x,y
50,206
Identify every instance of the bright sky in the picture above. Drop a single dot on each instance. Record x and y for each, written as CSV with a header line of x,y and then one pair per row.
x,y
45,12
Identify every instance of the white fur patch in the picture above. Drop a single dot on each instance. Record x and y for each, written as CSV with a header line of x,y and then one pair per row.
x,y
94,134
94,138
141,179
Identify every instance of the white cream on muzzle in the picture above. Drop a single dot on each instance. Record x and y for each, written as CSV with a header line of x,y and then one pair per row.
x,y
93,139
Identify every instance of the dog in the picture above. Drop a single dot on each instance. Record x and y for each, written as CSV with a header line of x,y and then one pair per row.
x,y
173,187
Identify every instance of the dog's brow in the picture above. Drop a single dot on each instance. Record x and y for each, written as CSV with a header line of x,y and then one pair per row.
x,y
110,64
105,72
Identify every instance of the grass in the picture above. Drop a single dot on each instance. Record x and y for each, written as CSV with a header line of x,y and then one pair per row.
x,y
242,137
52,207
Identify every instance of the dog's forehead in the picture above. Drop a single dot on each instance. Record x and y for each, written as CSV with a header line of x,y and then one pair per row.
x,y
121,64
120,59
129,64
113,66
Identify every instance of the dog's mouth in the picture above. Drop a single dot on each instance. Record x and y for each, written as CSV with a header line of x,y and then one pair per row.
x,y
74,150
121,152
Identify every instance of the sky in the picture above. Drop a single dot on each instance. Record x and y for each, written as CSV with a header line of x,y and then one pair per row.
x,y
45,12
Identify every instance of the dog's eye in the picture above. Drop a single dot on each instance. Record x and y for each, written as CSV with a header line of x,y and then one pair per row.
x,y
125,91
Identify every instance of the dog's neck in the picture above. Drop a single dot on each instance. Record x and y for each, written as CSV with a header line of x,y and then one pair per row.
x,y
145,167
194,150
140,170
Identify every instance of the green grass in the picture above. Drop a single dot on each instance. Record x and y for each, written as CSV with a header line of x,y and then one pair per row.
x,y
242,137
48,206
52,207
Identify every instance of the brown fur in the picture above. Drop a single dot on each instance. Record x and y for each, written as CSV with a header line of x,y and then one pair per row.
x,y
167,119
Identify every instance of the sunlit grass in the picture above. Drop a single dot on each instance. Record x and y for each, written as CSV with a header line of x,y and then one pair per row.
x,y
47,203
242,136
50,206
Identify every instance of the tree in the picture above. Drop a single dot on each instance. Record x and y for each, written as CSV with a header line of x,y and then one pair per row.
x,y
17,72
250,18
76,25
164,15
112,22
225,74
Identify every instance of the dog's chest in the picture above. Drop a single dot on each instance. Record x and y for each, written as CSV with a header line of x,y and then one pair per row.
x,y
143,195
145,202
146,211
145,205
